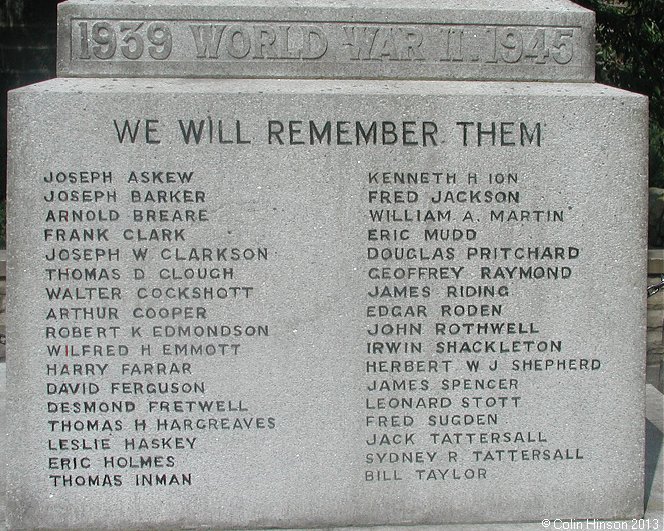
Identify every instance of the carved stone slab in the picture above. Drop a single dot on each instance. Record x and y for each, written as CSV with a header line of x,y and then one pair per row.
x,y
448,39
315,303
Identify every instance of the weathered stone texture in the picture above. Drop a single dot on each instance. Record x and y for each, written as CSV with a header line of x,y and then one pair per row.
x,y
548,40
310,196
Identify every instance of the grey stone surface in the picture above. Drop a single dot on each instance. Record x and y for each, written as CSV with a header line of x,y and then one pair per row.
x,y
654,473
517,40
3,445
299,395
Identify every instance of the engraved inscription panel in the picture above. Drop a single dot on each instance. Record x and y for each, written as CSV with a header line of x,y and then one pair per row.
x,y
455,45
223,41
359,308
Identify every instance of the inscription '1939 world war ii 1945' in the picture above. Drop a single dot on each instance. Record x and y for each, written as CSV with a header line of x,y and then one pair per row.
x,y
133,40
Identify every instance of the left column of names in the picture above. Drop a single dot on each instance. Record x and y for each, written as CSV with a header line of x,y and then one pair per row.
x,y
81,323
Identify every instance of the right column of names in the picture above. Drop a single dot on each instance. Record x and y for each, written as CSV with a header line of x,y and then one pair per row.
x,y
448,351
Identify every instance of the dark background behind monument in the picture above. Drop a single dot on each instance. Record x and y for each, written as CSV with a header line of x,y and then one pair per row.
x,y
630,55
27,55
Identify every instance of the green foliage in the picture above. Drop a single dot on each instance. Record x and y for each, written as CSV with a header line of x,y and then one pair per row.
x,y
656,155
630,55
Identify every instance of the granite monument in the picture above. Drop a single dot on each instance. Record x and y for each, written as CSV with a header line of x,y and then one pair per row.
x,y
322,263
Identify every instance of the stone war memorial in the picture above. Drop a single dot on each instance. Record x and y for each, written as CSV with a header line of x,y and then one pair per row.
x,y
310,263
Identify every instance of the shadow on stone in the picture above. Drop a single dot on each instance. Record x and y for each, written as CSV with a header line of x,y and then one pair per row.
x,y
653,448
